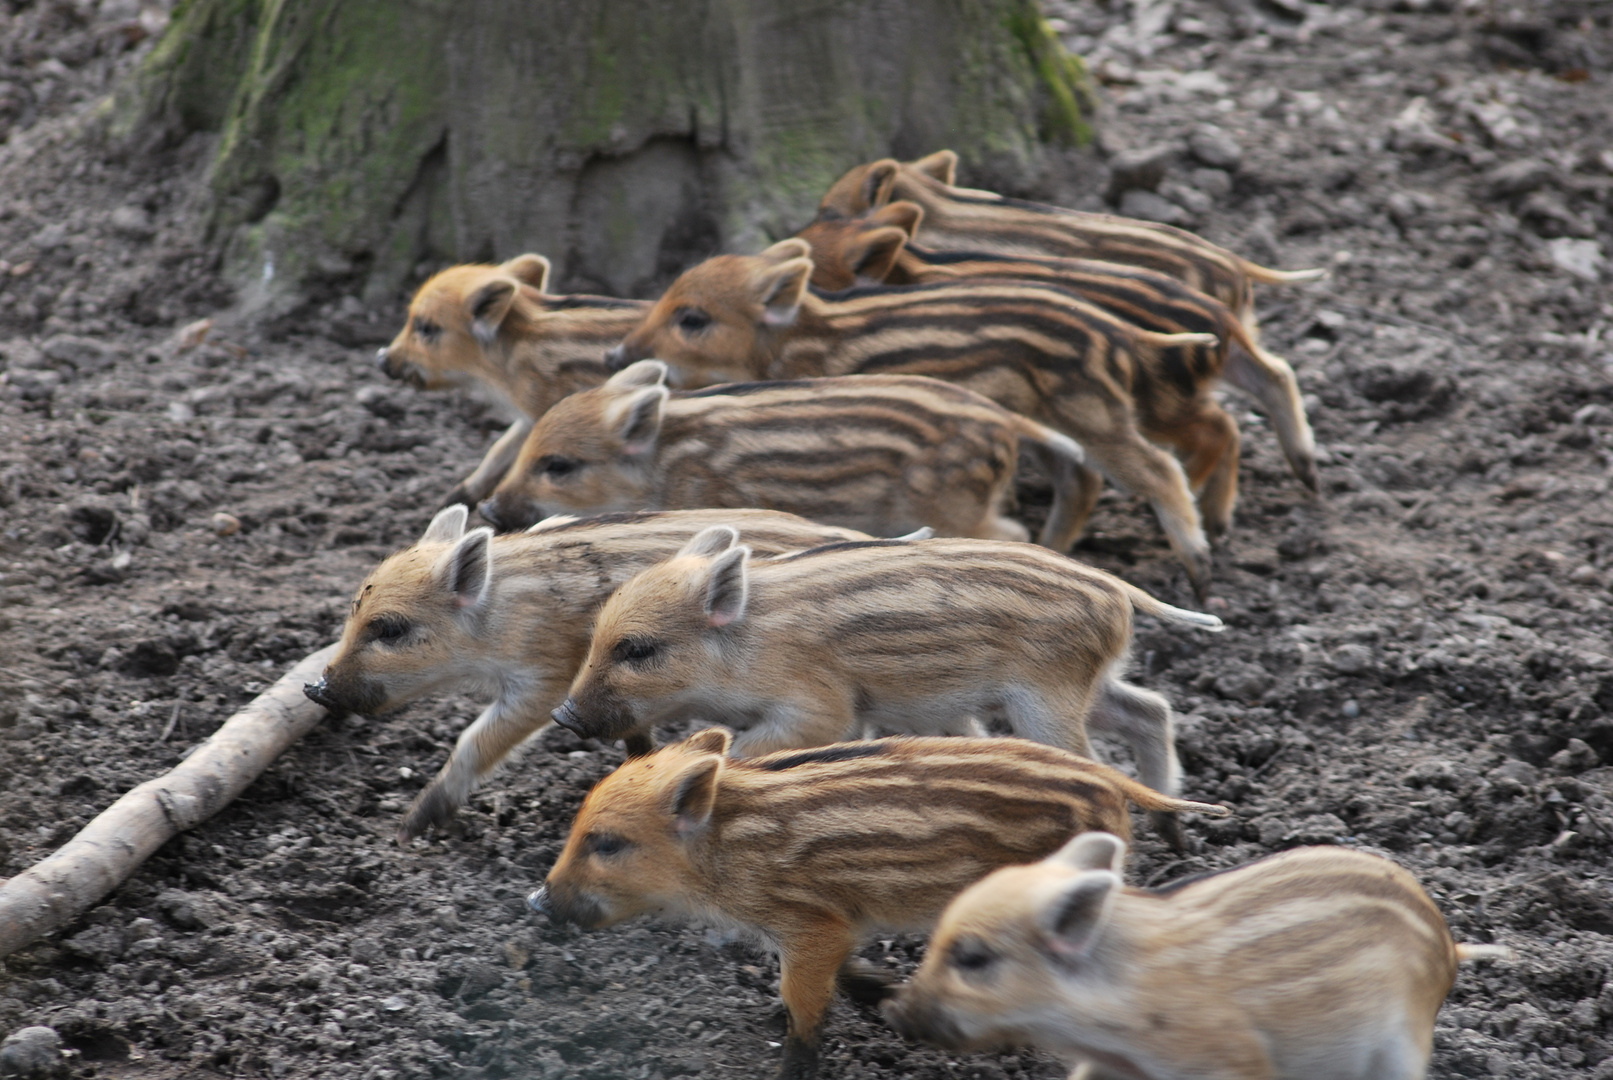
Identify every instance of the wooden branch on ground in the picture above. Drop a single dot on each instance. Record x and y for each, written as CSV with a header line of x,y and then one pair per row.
x,y
107,850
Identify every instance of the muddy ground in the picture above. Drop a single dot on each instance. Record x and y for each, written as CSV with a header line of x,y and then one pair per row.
x,y
1418,661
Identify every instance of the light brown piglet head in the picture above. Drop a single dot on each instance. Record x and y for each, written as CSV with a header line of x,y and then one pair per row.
x,y
721,321
862,250
869,186
413,621
658,637
629,849
455,317
1012,950
592,453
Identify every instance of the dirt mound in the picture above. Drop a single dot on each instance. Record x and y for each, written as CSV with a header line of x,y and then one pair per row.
x,y
1417,663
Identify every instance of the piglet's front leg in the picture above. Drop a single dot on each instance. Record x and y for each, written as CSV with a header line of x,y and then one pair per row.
x,y
810,958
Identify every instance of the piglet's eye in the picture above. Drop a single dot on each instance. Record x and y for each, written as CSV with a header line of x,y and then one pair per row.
x,y
389,627
606,844
691,320
971,954
555,465
630,649
427,330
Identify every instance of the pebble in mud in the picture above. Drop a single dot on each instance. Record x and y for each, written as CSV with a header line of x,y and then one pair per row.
x,y
225,524
32,1052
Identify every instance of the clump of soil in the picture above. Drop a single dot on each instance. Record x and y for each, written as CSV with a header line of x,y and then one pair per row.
x,y
1418,661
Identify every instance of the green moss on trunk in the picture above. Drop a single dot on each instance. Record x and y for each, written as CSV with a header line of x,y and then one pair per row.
x,y
620,137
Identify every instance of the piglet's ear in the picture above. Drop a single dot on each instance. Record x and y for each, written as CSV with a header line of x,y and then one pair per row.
x,y
873,254
711,541
727,587
878,182
713,740
1092,851
694,794
903,215
488,306
941,165
467,568
643,373
1078,913
447,526
785,250
530,270
637,419
780,289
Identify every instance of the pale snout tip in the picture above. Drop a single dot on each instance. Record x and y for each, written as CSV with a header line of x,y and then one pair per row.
x,y
381,357
538,900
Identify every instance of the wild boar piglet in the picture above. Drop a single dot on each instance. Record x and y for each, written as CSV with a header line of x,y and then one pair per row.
x,y
973,220
1319,963
810,850
510,616
498,327
914,637
884,454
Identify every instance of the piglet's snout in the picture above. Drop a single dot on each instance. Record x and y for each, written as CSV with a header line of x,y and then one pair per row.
x,y
918,1019
539,900
568,717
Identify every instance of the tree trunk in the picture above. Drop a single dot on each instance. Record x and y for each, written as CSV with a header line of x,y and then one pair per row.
x,y
363,141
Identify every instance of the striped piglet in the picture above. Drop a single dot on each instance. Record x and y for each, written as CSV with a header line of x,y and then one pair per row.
x,y
1320,963
881,454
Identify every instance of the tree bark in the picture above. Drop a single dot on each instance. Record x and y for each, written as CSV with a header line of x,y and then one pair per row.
x,y
110,848
360,141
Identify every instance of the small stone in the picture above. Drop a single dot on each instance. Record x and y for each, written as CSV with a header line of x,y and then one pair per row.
x,y
1317,829
1576,757
31,1052
395,1003
225,524
1151,207
20,353
1190,198
133,222
1216,183
1351,659
80,353
1351,709
1517,177
1214,147
1243,682
180,412
51,237
1581,258
1139,170
1515,771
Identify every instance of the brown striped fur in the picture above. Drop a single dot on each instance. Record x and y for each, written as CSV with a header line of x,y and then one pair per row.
x,y
884,454
914,637
1036,350
510,615
496,325
1319,963
965,219
1173,385
810,851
